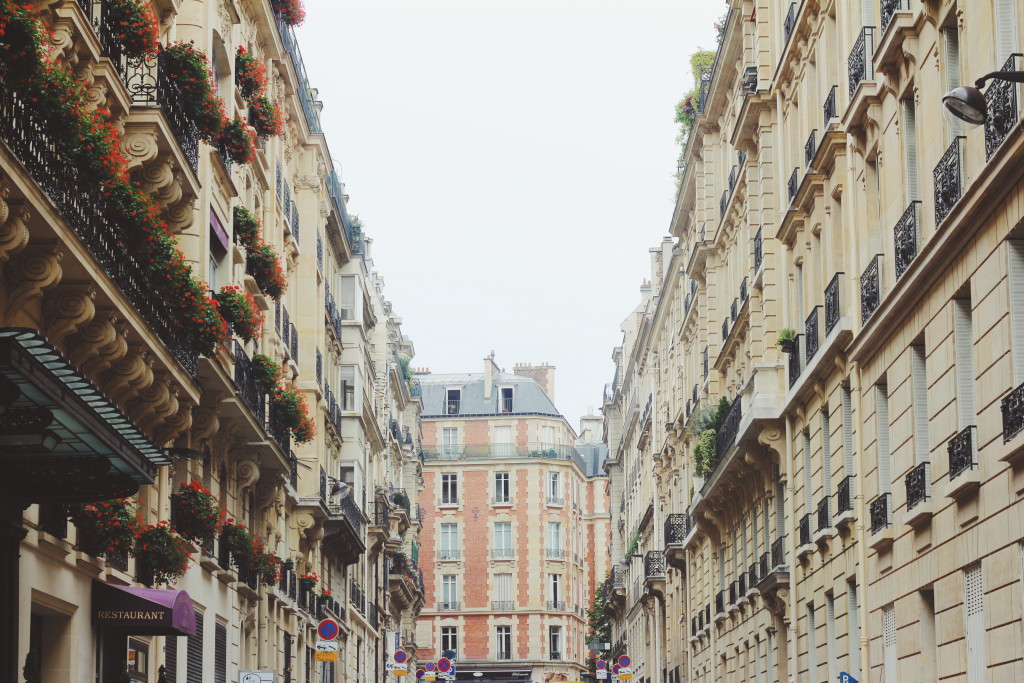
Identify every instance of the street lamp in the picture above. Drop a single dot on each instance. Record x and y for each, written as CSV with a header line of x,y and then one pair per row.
x,y
968,104
625,560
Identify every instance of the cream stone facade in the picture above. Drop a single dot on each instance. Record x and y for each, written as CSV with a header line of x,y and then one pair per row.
x,y
855,505
338,506
515,523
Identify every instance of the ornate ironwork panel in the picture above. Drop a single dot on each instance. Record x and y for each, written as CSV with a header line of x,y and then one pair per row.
x,y
729,429
859,64
723,203
832,303
720,602
793,185
805,529
829,108
1012,407
880,513
654,564
918,485
948,177
905,235
824,513
705,362
778,553
812,341
1001,97
889,8
742,156
963,452
319,368
810,147
319,251
871,288
758,250
794,364
677,526
844,496
734,592
293,469
743,290
752,576
245,382
764,566
790,23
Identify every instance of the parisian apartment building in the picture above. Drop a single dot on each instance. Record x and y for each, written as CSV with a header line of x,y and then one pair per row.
x,y
266,441
515,523
814,425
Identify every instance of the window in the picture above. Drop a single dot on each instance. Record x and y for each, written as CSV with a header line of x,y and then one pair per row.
x,y
138,660
450,638
547,436
503,595
808,476
918,373
502,539
506,399
847,433
1015,275
555,487
964,338
347,391
926,631
555,641
214,280
554,536
554,589
220,653
450,442
1006,30
501,488
951,48
449,541
853,628
812,647
453,397
882,436
889,655
909,140
503,642
504,445
449,489
826,459
974,606
830,634
449,592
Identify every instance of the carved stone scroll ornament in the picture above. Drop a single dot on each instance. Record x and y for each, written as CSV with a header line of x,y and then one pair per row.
x,y
128,376
65,309
27,275
247,472
97,344
14,217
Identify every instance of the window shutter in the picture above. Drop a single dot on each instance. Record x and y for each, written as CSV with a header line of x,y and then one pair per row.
x,y
910,148
882,445
1006,31
853,627
918,371
964,361
889,644
309,665
974,604
220,654
1015,273
171,659
826,453
867,12
812,654
951,43
848,469
287,658
194,665
808,479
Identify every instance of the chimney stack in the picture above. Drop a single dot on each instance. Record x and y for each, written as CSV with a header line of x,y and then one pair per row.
x,y
490,369
542,374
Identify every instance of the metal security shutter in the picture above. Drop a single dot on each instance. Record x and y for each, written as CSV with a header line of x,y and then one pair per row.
x,y
812,648
964,331
220,654
287,658
890,661
853,626
309,665
919,374
882,445
847,433
171,659
808,478
974,604
867,12
910,148
1015,274
951,45
194,663
830,632
826,453
1006,30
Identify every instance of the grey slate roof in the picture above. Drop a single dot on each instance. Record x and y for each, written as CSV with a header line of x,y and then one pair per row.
x,y
527,395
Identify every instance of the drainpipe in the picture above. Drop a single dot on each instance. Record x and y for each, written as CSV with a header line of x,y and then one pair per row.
x,y
792,533
862,516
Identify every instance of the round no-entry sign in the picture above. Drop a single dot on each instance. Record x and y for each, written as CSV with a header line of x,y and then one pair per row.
x,y
420,673
601,665
401,657
429,666
625,661
615,668
328,629
444,665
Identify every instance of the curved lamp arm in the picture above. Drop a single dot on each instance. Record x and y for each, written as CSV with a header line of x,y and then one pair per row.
x,y
1012,76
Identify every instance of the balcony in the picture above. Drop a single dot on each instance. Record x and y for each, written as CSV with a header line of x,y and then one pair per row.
x,y
720,605
148,85
615,589
810,148
829,108
832,304
790,22
859,64
555,500
356,596
881,521
728,430
723,204
793,185
502,605
918,484
844,502
451,407
963,463
677,528
556,655
1012,408
343,529
824,529
794,364
502,553
758,250
245,382
948,179
449,606
556,605
654,572
752,577
554,553
889,8
805,535
871,288
906,237
449,554
811,336
1001,97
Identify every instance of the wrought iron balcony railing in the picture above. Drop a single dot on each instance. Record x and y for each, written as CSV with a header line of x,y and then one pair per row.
x,y
293,470
794,361
503,605
948,177
963,452
871,288
450,606
811,338
725,329
793,184
245,382
829,108
1012,408
723,203
752,576
778,553
810,148
805,529
833,311
1001,97
732,180
881,514
790,22
824,514
734,310
918,485
555,553
744,292
889,8
720,602
295,344
319,368
860,65
149,85
844,496
729,429
319,251
734,592
53,519
705,362
558,605
654,564
758,250
764,565
449,554
905,236
677,527
503,553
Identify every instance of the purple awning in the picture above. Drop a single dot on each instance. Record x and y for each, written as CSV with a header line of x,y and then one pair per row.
x,y
143,611
219,233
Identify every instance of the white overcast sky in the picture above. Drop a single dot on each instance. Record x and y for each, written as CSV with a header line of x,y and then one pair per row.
x,y
513,162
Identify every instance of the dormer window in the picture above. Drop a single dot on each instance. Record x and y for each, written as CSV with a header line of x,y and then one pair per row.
x,y
452,400
506,399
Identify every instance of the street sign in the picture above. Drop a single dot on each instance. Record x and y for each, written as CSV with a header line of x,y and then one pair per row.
x,y
625,673
601,665
326,656
256,676
400,657
429,668
328,629
602,674
846,678
625,661
420,673
444,665
326,646
399,663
